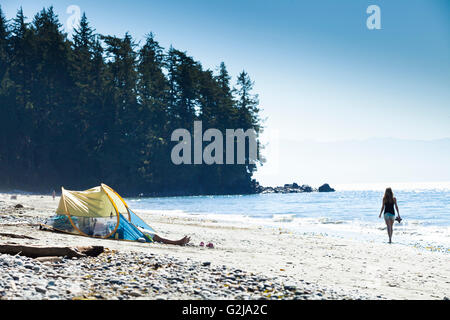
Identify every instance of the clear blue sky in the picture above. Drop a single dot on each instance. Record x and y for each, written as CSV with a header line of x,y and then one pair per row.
x,y
320,73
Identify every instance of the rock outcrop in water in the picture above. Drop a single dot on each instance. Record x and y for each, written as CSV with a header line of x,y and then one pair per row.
x,y
293,188
326,188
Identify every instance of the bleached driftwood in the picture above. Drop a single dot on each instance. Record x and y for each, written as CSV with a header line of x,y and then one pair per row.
x,y
41,251
17,236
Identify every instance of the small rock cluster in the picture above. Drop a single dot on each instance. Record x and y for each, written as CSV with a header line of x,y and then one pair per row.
x,y
293,188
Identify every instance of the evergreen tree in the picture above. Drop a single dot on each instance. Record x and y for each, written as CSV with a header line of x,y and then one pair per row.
x,y
54,132
247,103
87,74
183,73
124,135
4,45
5,99
246,117
152,84
227,110
153,97
19,129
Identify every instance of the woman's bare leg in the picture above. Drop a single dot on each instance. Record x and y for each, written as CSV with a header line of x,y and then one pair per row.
x,y
180,242
391,222
388,228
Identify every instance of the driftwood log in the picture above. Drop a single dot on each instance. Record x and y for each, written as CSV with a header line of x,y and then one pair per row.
x,y
41,251
17,236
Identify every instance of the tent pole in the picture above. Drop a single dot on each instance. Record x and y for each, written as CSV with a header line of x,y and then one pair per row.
x,y
121,199
117,212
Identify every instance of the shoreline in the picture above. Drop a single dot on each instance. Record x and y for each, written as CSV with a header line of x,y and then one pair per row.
x,y
293,266
287,188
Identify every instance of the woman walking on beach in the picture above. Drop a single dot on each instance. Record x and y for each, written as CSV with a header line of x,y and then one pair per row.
x,y
389,201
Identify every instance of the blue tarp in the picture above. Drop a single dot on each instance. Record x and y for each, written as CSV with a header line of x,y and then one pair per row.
x,y
102,227
138,222
128,231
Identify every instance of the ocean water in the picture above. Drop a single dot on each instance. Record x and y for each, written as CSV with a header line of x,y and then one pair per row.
x,y
351,214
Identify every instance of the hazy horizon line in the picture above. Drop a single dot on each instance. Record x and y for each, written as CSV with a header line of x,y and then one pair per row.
x,y
309,140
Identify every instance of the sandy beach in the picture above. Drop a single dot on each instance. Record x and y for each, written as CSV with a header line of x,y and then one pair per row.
x,y
247,262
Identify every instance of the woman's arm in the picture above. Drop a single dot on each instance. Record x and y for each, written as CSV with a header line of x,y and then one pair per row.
x,y
396,207
382,208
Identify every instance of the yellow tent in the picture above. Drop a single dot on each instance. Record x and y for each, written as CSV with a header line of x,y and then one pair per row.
x,y
98,212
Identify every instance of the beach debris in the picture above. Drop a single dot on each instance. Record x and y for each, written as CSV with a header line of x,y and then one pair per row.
x,y
13,197
290,286
18,206
41,251
17,236
210,245
156,266
49,259
393,285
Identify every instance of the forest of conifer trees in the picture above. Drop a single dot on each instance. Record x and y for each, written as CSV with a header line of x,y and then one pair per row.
x,y
96,108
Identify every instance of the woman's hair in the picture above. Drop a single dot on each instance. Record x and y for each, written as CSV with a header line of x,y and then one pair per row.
x,y
388,196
